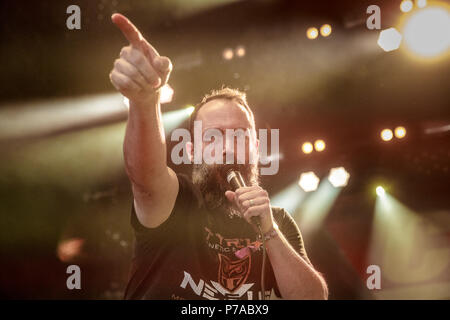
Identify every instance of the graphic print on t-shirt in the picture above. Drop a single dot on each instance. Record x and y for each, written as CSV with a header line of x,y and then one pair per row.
x,y
232,274
233,270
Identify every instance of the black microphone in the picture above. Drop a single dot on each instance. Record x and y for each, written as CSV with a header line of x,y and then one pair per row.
x,y
236,181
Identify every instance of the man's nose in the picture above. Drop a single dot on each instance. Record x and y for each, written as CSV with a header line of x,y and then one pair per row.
x,y
228,148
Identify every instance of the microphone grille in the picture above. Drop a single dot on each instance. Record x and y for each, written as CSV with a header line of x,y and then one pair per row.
x,y
230,175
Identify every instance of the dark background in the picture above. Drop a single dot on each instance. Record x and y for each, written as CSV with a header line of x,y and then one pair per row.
x,y
70,182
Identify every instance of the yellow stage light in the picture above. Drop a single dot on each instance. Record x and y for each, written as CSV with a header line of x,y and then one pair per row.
x,y
325,30
400,132
240,51
319,145
386,135
312,33
307,147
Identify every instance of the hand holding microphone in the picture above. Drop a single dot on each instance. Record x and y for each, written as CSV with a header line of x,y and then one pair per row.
x,y
253,201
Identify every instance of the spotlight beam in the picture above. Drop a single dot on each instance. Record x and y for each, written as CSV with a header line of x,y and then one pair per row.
x,y
315,208
28,122
398,234
48,118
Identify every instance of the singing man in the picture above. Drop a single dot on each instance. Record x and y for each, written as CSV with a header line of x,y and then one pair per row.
x,y
194,237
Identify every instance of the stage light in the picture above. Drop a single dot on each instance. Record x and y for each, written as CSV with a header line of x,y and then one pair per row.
x,y
240,51
406,5
389,39
312,33
69,249
400,132
325,30
173,119
166,94
386,135
426,32
227,54
308,181
189,110
314,209
421,3
397,232
338,177
380,191
319,145
307,147
289,198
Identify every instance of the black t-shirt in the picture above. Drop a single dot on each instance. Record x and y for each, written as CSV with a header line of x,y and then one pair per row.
x,y
194,254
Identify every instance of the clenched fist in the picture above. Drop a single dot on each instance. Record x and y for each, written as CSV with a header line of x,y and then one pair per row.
x,y
140,71
253,201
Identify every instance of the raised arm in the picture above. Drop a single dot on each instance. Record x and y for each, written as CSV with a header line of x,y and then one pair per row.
x,y
138,74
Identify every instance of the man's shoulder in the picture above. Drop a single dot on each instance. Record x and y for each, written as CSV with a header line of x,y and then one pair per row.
x,y
279,212
284,219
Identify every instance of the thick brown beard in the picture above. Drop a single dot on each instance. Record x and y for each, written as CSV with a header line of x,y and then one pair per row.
x,y
212,183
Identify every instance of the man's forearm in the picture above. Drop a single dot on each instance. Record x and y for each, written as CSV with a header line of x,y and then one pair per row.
x,y
138,74
296,279
144,144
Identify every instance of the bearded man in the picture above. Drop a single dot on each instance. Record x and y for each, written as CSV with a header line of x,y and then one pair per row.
x,y
195,238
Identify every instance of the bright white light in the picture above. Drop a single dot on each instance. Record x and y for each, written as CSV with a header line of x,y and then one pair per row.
x,y
380,191
338,177
288,198
48,117
166,94
173,119
386,135
308,181
406,5
421,3
307,147
427,32
389,39
190,109
227,54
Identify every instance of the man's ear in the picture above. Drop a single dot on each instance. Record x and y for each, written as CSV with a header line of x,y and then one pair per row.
x,y
190,150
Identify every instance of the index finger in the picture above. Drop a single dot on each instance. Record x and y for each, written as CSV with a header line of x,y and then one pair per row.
x,y
128,29
133,35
